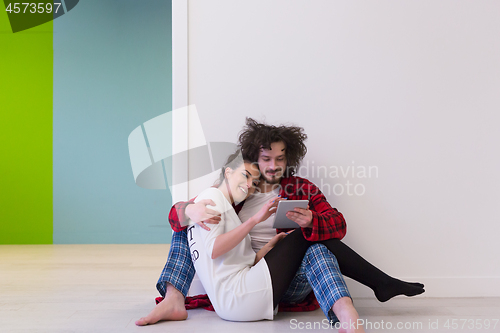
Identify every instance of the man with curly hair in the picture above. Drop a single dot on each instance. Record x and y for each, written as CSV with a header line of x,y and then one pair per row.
x,y
278,150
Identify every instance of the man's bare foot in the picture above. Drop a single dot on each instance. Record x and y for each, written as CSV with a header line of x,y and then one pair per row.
x,y
347,315
171,308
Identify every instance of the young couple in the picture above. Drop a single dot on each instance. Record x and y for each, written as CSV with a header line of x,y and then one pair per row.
x,y
245,266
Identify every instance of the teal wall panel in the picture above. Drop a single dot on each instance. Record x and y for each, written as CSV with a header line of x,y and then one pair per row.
x,y
112,72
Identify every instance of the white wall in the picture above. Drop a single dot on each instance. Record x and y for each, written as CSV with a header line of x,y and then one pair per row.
x,y
410,87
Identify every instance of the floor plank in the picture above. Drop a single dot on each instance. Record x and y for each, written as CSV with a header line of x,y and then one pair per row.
x,y
105,288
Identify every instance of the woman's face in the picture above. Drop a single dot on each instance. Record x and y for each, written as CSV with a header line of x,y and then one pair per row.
x,y
243,180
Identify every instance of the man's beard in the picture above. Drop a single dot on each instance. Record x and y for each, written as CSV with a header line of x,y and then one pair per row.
x,y
272,180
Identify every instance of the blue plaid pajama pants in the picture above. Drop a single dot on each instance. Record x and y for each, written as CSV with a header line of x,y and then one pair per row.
x,y
319,272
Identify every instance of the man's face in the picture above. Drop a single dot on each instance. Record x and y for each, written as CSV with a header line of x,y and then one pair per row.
x,y
272,162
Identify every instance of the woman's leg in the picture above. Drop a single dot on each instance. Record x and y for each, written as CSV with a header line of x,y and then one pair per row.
x,y
354,266
284,260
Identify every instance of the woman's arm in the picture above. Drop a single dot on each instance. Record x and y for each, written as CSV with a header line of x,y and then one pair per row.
x,y
227,241
266,248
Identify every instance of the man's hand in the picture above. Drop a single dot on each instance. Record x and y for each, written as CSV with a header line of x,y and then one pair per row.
x,y
301,216
200,214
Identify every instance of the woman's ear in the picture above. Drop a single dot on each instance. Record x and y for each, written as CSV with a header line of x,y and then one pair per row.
x,y
228,172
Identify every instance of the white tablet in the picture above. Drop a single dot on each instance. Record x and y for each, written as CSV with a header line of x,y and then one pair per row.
x,y
283,222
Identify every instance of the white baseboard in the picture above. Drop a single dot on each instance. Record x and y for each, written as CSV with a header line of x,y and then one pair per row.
x,y
442,287
434,287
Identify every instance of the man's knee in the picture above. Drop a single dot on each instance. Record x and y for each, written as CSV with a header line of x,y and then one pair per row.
x,y
179,236
179,248
179,240
319,251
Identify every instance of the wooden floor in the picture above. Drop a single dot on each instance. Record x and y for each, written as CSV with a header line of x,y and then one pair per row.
x,y
105,288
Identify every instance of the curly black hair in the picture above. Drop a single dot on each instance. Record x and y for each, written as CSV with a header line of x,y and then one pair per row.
x,y
255,136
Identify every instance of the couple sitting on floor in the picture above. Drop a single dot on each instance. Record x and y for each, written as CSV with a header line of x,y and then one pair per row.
x,y
245,266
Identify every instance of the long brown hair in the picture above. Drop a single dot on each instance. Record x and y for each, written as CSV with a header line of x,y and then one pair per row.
x,y
234,161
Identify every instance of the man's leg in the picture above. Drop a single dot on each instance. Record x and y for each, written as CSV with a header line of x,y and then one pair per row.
x,y
348,316
330,289
174,283
299,288
318,267
179,269
324,276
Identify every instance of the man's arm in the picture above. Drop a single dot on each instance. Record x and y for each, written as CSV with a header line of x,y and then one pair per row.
x,y
182,211
177,217
325,222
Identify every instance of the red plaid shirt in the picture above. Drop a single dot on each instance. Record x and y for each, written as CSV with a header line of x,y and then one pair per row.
x,y
327,222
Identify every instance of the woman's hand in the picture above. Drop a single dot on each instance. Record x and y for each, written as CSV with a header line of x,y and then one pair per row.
x,y
267,210
200,214
266,248
272,243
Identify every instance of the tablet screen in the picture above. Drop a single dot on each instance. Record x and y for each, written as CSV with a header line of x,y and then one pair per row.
x,y
283,222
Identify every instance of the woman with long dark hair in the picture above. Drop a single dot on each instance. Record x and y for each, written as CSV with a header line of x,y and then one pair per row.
x,y
241,284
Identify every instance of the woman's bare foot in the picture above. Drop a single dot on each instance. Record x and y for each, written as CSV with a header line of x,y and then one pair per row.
x,y
171,308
